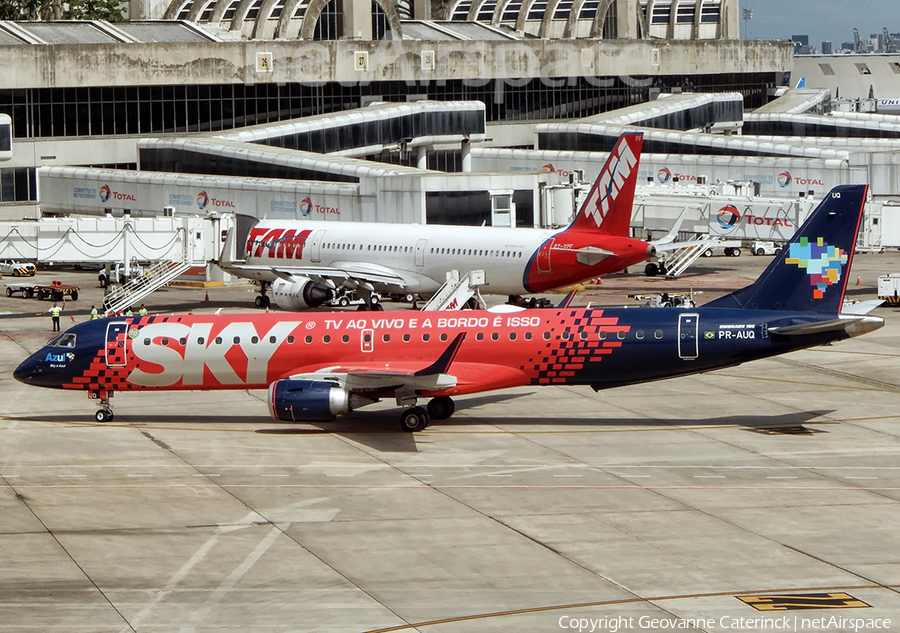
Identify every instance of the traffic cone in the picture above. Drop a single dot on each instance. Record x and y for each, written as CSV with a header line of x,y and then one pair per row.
x,y
206,298
858,282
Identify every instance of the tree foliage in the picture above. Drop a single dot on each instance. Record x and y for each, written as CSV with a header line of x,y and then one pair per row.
x,y
110,10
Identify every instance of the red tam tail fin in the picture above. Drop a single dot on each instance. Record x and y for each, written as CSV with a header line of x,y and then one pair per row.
x,y
608,207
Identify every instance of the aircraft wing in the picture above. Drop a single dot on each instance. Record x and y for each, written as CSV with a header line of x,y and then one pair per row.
x,y
336,274
375,380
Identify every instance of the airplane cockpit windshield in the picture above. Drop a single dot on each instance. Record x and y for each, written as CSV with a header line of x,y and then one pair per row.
x,y
63,340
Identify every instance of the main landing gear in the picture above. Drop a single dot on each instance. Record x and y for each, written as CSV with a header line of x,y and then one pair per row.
x,y
262,299
417,418
105,412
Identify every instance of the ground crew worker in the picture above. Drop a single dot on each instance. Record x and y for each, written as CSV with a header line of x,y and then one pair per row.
x,y
128,311
143,310
94,314
55,311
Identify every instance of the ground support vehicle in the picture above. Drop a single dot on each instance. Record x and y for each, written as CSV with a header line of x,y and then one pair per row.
x,y
56,291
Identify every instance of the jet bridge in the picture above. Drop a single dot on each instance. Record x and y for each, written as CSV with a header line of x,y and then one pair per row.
x,y
171,245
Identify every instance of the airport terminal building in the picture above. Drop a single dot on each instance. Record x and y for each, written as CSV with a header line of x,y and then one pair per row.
x,y
89,94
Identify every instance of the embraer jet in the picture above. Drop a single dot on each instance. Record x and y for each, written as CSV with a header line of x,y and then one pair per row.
x,y
305,261
321,365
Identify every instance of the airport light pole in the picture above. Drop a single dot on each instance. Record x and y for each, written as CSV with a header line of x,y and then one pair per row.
x,y
746,16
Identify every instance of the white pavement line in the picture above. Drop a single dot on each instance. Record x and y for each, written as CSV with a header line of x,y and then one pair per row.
x,y
70,476
498,475
138,475
709,476
781,477
860,477
233,578
173,582
568,475
266,475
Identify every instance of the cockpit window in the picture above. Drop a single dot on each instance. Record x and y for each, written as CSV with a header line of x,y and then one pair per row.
x,y
63,340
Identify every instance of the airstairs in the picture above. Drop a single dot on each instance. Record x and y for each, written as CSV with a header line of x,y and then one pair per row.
x,y
456,292
137,288
684,258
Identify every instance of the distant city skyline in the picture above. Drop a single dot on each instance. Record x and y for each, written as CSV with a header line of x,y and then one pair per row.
x,y
822,20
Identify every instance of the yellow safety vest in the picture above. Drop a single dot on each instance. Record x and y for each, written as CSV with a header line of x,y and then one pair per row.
x,y
54,312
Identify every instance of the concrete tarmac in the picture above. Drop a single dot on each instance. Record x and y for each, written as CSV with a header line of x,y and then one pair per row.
x,y
641,508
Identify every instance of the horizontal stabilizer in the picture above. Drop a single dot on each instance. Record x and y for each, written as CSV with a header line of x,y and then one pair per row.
x,y
861,307
814,327
853,325
588,255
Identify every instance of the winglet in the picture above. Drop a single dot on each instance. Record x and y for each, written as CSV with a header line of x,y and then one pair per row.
x,y
442,364
567,299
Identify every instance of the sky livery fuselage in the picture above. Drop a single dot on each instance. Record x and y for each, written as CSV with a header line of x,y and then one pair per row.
x,y
320,365
600,347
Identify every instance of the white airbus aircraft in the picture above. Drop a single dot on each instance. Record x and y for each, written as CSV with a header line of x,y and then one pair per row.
x,y
306,261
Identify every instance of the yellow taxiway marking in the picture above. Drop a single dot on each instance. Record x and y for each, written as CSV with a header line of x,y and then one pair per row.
x,y
602,603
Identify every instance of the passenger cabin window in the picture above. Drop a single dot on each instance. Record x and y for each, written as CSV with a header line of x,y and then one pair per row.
x,y
426,337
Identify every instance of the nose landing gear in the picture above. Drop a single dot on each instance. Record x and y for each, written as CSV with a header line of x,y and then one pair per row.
x,y
105,412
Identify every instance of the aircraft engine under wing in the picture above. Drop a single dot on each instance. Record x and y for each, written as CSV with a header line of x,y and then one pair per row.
x,y
301,293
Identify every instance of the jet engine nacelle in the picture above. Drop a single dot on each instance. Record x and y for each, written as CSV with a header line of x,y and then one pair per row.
x,y
311,400
300,294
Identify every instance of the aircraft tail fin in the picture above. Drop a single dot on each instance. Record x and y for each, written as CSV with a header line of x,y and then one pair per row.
x,y
810,273
608,207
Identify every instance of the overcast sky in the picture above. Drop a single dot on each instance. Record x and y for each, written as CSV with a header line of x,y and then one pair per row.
x,y
820,19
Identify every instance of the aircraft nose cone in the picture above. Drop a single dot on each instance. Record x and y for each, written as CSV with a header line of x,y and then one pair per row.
x,y
29,371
